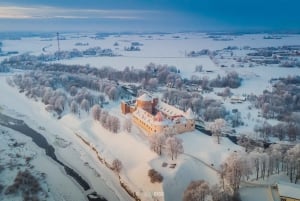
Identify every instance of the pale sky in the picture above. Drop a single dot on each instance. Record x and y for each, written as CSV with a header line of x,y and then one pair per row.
x,y
149,15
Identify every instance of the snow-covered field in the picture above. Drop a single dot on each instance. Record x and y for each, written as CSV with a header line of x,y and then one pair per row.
x,y
202,154
131,149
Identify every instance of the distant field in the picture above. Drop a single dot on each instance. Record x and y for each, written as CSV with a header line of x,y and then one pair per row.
x,y
184,64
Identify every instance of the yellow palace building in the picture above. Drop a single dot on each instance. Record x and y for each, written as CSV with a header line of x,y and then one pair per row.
x,y
155,116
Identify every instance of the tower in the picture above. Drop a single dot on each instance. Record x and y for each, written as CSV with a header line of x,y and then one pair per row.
x,y
145,102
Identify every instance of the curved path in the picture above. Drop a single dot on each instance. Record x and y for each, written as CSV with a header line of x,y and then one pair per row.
x,y
201,161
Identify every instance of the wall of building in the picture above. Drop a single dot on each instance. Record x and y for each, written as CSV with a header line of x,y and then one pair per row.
x,y
145,105
149,106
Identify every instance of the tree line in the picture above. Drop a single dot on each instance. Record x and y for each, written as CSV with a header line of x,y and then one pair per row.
x,y
207,108
254,164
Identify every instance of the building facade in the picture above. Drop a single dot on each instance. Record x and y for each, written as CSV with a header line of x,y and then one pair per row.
x,y
156,117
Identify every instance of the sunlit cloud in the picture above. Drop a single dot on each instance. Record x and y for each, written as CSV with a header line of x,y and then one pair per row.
x,y
15,12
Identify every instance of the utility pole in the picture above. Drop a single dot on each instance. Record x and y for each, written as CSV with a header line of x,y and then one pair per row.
x,y
58,47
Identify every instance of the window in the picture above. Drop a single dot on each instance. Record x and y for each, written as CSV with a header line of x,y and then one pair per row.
x,y
282,199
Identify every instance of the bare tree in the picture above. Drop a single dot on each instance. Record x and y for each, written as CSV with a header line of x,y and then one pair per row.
x,y
85,105
293,159
174,147
117,165
115,124
157,142
127,124
277,153
73,90
96,112
217,127
113,93
74,107
219,194
196,191
198,68
103,118
255,157
234,169
155,176
152,83
60,103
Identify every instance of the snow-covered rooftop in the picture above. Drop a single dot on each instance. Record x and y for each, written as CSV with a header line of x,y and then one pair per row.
x,y
144,97
168,109
189,114
148,118
289,190
172,111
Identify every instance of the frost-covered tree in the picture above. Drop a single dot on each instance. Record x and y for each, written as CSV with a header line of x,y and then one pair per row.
x,y
74,107
85,105
264,164
234,170
217,127
60,103
219,194
178,83
47,94
197,104
196,191
73,90
115,124
152,83
155,176
113,93
198,68
103,118
96,112
277,154
255,156
293,159
157,142
174,147
127,126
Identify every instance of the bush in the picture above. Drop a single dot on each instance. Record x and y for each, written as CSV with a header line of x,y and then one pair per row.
x,y
155,176
26,183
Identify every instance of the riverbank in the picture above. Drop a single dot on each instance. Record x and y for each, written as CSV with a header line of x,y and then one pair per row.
x,y
69,149
19,153
22,128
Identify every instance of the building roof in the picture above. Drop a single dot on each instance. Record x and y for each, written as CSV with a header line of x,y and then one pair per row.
x,y
144,97
289,190
189,114
149,118
172,111
159,117
168,109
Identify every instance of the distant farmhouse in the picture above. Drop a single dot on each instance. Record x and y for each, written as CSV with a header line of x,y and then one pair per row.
x,y
155,116
237,99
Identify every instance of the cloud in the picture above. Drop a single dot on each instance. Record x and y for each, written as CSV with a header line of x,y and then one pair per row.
x,y
43,12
